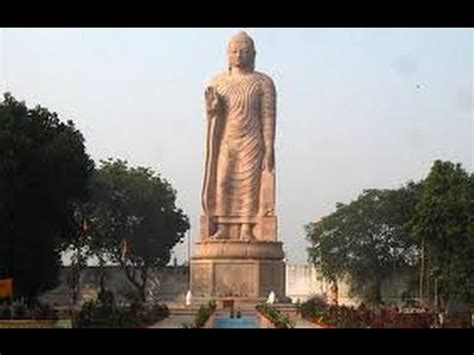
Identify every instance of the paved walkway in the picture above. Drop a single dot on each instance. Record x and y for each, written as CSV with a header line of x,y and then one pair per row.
x,y
303,323
174,321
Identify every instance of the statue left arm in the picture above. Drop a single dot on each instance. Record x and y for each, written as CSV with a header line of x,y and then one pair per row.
x,y
268,122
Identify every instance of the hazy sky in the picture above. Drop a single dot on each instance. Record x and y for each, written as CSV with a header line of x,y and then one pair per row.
x,y
357,108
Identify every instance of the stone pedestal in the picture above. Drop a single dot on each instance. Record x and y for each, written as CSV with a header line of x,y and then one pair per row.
x,y
232,268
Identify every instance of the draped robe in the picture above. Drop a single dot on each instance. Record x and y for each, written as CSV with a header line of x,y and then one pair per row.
x,y
237,139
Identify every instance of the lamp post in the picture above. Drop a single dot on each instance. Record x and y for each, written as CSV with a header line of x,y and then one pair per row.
x,y
189,258
189,247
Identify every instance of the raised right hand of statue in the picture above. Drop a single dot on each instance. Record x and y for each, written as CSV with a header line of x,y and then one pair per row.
x,y
212,101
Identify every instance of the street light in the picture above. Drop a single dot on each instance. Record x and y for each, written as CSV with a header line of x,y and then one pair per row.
x,y
189,247
189,266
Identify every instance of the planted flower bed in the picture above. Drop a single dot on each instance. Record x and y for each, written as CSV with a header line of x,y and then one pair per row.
x,y
277,318
203,317
319,312
204,314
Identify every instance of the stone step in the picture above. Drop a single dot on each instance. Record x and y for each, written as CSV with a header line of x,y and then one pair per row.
x,y
190,311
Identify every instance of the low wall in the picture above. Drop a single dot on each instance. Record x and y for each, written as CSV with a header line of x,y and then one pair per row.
x,y
304,281
170,285
165,285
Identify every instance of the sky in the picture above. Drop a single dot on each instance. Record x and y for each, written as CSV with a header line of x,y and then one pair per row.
x,y
357,108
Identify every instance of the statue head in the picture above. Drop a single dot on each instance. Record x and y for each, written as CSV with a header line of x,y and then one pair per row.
x,y
241,52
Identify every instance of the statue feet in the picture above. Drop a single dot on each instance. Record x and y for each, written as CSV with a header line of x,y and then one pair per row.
x,y
217,235
246,233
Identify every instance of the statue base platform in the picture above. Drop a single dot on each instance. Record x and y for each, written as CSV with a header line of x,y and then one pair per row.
x,y
237,269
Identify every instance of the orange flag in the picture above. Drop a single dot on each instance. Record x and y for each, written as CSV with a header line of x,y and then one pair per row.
x,y
124,247
6,287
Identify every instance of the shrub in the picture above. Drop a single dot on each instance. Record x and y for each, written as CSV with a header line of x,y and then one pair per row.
x,y
204,313
279,320
315,307
108,315
18,309
363,317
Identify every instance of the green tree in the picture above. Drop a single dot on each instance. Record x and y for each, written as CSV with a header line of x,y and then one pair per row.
x,y
135,222
365,239
44,169
79,244
443,223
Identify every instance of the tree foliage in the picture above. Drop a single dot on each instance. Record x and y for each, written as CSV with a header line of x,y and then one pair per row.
x,y
365,239
44,169
134,219
444,220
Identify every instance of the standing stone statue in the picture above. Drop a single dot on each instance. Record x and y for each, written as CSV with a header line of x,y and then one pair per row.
x,y
238,195
238,254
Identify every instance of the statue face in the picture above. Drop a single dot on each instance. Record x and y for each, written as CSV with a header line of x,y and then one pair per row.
x,y
241,55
